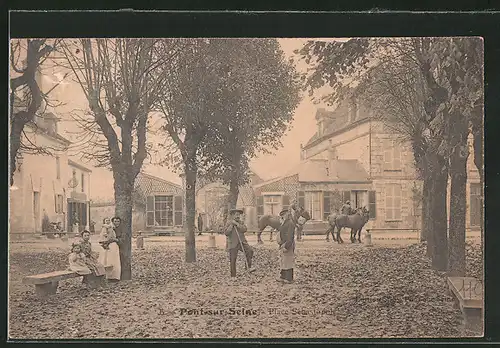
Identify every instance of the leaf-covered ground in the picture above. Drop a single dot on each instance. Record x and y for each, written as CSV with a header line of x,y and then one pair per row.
x,y
340,291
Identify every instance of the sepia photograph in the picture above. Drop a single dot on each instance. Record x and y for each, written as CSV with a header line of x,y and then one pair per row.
x,y
248,188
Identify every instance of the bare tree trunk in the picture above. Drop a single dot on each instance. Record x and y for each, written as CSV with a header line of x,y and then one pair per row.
x,y
458,207
234,191
439,221
16,131
425,227
191,172
123,210
477,132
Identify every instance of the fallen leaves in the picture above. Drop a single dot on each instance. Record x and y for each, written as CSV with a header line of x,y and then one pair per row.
x,y
369,292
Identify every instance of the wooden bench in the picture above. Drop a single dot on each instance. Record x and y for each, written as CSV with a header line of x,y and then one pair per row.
x,y
47,283
468,292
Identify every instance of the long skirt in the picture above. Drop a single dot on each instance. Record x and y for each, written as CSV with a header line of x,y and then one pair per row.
x,y
287,258
111,257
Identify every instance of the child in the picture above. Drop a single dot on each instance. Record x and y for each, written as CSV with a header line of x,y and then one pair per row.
x,y
106,227
77,260
139,241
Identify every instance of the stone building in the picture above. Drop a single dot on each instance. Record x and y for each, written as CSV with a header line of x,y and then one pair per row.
x,y
157,207
47,184
354,157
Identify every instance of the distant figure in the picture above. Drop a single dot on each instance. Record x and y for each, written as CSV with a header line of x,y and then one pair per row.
x,y
200,224
139,242
346,209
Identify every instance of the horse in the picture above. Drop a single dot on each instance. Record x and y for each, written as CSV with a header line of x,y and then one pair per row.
x,y
275,222
354,221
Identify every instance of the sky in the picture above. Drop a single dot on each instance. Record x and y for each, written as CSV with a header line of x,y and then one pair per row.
x,y
303,128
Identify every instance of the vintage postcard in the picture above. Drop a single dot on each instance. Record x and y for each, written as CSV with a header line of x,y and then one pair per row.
x,y
246,188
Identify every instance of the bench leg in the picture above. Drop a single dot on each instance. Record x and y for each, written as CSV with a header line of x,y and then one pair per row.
x,y
43,290
473,319
92,281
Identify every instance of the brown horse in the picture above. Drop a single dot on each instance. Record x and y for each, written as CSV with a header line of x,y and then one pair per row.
x,y
275,222
355,222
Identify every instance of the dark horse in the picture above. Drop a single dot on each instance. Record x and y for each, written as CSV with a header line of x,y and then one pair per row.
x,y
274,221
354,221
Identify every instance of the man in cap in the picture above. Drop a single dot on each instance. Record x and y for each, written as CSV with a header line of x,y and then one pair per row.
x,y
346,208
236,240
286,242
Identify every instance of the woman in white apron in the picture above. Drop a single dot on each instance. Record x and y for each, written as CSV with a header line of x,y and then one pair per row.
x,y
110,253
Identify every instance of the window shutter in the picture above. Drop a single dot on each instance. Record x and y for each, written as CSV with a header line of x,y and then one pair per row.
x,y
150,212
301,199
372,205
260,206
178,205
285,200
326,205
396,154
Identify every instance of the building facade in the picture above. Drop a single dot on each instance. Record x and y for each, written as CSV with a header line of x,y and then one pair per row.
x,y
43,182
353,157
157,206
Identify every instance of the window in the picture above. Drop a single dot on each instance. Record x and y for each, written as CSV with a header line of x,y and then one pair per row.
x,y
58,167
313,204
392,155
393,202
272,204
475,204
83,182
58,204
164,211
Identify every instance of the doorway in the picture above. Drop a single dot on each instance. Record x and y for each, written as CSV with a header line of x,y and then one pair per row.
x,y
36,211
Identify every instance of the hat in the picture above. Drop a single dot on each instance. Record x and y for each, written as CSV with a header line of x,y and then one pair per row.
x,y
283,212
232,211
347,202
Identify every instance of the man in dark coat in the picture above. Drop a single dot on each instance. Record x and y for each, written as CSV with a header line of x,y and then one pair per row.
x,y
235,240
346,208
286,242
200,224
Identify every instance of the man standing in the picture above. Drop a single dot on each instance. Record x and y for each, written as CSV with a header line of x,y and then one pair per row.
x,y
286,242
236,240
200,224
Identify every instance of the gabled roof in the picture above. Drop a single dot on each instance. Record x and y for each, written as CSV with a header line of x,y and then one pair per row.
x,y
147,184
321,170
78,165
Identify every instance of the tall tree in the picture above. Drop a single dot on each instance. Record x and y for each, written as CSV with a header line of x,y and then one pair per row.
x,y
26,97
189,106
261,94
343,64
118,80
460,73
